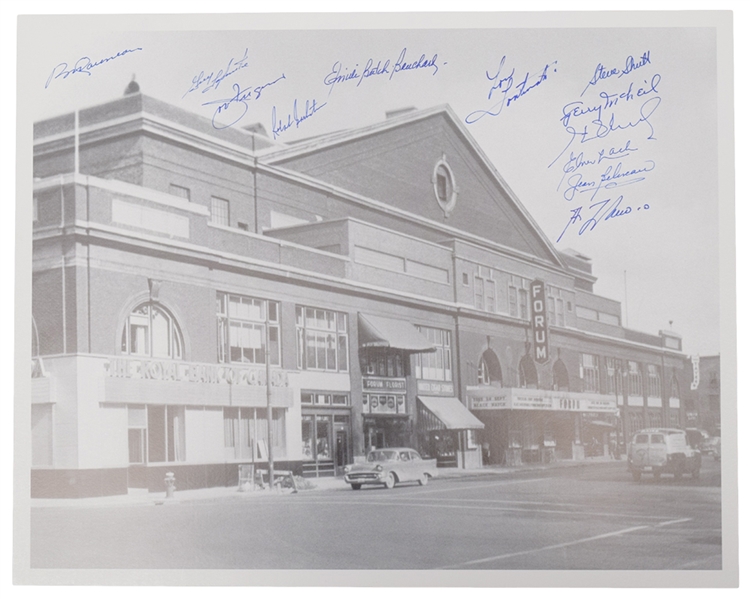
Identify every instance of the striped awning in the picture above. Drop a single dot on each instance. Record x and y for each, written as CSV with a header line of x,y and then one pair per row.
x,y
451,413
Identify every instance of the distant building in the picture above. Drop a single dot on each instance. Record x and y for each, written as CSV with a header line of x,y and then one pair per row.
x,y
390,281
703,408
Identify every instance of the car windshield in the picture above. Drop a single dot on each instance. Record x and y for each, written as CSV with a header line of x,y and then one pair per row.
x,y
382,456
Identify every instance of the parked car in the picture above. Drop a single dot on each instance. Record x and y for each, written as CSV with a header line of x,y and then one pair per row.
x,y
662,450
712,447
390,466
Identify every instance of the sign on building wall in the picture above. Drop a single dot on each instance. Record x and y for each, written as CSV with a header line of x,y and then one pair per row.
x,y
539,322
542,399
696,373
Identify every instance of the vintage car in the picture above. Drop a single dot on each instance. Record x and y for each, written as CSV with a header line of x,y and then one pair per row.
x,y
662,450
390,466
712,447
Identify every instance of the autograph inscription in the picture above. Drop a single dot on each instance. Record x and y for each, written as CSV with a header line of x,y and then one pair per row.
x,y
214,78
601,72
604,210
510,89
294,118
235,108
84,66
343,74
620,121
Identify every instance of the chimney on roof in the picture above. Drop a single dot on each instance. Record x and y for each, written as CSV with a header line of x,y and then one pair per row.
x,y
133,87
399,111
256,128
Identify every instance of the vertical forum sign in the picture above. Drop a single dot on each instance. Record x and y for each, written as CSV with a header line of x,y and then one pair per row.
x,y
539,322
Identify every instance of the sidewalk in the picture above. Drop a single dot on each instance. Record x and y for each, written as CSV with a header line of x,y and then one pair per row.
x,y
144,498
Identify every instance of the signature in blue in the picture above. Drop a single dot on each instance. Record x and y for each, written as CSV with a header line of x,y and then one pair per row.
x,y
214,79
604,210
582,160
294,118
631,64
509,89
83,66
234,108
342,74
613,176
602,128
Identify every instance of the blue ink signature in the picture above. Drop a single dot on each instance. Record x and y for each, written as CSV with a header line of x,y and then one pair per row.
x,y
421,63
341,74
213,80
236,106
579,160
604,211
601,72
611,177
279,126
602,129
83,65
510,92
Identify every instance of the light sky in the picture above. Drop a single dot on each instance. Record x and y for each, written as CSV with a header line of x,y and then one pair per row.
x,y
668,247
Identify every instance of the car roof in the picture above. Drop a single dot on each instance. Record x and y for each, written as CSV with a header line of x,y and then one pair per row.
x,y
660,430
395,449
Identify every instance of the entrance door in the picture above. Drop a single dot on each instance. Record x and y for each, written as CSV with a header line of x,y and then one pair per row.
x,y
342,450
375,437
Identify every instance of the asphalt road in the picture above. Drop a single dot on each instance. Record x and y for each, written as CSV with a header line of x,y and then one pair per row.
x,y
593,517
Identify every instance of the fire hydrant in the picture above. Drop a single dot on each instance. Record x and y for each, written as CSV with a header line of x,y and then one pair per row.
x,y
169,481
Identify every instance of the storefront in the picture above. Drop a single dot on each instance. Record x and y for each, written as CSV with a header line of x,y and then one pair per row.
x,y
388,410
447,431
536,425
326,433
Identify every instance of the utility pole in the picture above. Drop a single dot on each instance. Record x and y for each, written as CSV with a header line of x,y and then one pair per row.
x,y
269,409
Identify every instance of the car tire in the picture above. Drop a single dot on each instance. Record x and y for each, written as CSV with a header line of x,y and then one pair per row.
x,y
678,474
356,486
696,474
390,481
657,475
636,475
424,479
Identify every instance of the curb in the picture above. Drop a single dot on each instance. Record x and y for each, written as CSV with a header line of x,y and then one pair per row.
x,y
215,494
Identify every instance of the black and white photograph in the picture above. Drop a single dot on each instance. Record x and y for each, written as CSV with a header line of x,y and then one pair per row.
x,y
370,295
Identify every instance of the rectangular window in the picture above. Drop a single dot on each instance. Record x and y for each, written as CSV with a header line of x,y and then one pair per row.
x,y
180,192
166,434
590,375
376,362
244,326
484,290
220,211
654,381
635,382
137,434
614,377
435,366
518,297
555,306
322,340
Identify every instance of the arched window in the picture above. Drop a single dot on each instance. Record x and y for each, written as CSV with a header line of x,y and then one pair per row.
x,y
527,373
151,331
489,371
560,380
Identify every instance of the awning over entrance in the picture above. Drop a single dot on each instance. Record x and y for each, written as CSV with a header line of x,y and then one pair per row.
x,y
377,331
451,413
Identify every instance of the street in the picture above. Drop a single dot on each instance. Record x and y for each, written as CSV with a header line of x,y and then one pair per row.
x,y
592,517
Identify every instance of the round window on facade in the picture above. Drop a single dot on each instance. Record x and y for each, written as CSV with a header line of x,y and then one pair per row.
x,y
444,185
